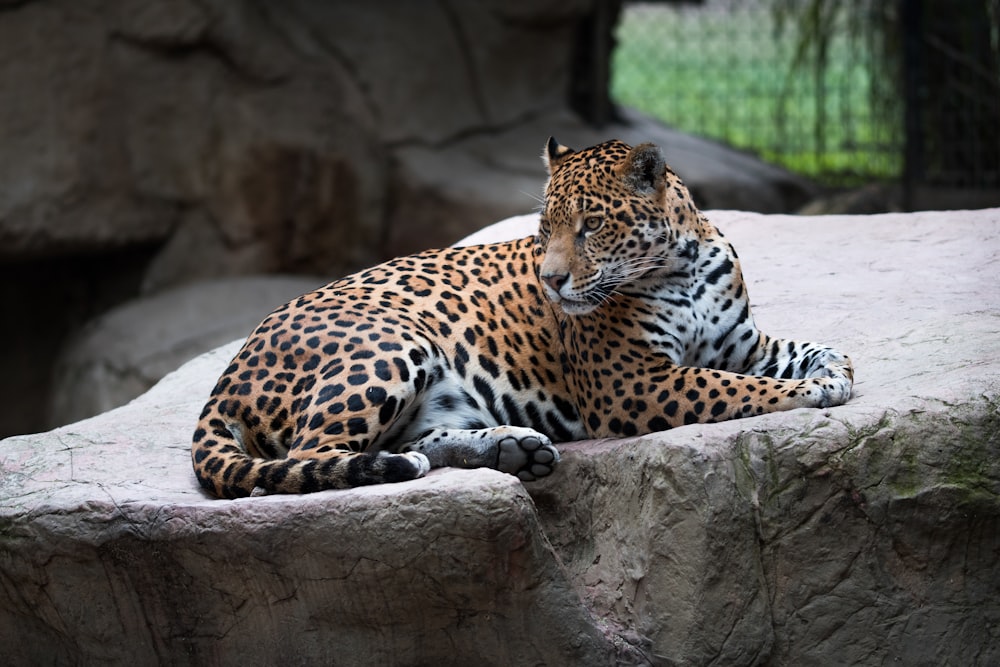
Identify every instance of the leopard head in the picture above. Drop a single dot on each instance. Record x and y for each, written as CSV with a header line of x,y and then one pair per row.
x,y
610,219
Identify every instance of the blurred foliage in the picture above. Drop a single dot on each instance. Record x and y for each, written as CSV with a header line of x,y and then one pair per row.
x,y
845,91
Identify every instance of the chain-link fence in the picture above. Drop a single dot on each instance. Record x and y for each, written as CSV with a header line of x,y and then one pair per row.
x,y
845,91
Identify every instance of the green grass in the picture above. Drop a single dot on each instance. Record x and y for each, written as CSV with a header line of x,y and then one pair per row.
x,y
729,75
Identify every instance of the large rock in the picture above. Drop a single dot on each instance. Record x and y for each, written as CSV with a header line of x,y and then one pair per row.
x,y
124,352
444,192
234,133
863,534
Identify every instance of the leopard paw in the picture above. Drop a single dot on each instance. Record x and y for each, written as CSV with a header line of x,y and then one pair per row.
x,y
527,455
824,392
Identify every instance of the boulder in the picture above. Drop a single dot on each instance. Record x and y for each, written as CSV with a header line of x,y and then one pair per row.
x,y
864,534
124,352
445,192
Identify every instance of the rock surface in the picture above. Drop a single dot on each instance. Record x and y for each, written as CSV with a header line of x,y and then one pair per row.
x,y
124,352
232,133
866,533
448,191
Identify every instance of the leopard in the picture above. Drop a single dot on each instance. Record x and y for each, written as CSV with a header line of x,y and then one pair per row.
x,y
625,314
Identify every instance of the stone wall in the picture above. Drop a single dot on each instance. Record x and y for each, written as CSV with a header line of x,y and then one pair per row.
x,y
239,130
861,534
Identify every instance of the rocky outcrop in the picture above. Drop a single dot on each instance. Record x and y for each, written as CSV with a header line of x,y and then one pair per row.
x,y
864,534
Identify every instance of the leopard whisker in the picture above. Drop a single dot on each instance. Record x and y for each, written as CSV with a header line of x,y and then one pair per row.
x,y
537,198
635,266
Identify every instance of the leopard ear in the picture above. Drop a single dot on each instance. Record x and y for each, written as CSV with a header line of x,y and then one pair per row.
x,y
554,154
644,169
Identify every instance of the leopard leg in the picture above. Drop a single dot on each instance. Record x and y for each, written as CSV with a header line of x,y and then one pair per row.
x,y
224,467
825,371
335,469
718,395
516,450
679,395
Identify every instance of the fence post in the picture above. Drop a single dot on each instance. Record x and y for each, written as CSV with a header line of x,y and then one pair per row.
x,y
911,25
590,94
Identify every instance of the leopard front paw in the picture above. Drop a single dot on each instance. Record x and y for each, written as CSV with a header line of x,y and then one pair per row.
x,y
833,383
837,365
825,392
527,455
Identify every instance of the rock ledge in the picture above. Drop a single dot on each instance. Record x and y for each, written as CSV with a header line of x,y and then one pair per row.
x,y
867,532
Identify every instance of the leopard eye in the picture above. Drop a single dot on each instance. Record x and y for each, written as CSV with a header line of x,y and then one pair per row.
x,y
593,223
544,227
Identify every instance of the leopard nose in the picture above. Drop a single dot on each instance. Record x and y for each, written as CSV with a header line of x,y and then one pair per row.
x,y
555,280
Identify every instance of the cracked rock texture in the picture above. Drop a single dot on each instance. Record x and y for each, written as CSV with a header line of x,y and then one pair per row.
x,y
864,534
